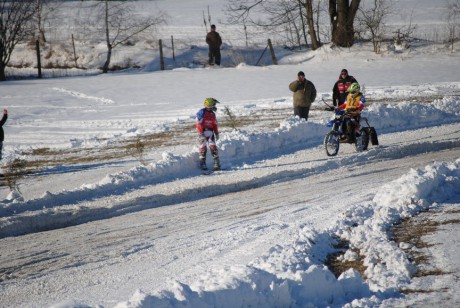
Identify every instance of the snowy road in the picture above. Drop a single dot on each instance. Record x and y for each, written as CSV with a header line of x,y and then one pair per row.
x,y
246,209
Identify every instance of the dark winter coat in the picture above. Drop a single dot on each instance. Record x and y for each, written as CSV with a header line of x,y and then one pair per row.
x,y
339,91
304,93
2,121
213,39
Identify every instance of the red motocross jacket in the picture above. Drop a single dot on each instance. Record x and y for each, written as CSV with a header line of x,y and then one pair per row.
x,y
206,120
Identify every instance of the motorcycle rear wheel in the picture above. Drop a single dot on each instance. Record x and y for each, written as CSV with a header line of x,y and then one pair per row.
x,y
362,141
331,143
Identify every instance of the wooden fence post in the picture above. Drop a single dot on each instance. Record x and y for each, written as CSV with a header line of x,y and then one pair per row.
x,y
172,46
74,53
262,55
39,64
273,52
162,62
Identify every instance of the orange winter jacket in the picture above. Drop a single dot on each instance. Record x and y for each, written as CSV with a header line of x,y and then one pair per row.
x,y
354,103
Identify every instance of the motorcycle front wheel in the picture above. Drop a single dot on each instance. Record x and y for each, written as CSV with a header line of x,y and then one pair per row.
x,y
331,143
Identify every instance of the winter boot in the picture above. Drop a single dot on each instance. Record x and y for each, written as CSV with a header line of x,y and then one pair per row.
x,y
216,163
203,164
357,127
350,133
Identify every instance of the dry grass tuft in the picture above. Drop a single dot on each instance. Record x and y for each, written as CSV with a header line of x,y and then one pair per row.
x,y
409,232
412,231
136,147
337,266
415,291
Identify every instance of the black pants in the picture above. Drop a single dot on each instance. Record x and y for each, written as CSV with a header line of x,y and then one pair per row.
x,y
349,126
214,54
302,112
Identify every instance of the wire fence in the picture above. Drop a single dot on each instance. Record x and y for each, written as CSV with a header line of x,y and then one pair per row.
x,y
68,52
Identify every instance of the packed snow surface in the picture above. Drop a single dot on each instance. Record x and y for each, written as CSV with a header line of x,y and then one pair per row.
x,y
118,233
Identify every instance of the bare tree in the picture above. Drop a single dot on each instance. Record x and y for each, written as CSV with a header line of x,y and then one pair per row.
x,y
287,14
205,23
119,23
453,20
308,4
342,14
403,34
15,26
238,14
277,14
284,14
373,20
316,20
45,10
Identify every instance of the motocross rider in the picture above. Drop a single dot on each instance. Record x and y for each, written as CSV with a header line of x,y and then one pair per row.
x,y
208,131
353,105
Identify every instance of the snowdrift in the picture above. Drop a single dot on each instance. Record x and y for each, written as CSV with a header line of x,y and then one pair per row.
x,y
237,149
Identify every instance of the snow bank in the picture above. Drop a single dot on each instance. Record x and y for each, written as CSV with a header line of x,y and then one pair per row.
x,y
404,116
236,149
294,275
388,269
290,276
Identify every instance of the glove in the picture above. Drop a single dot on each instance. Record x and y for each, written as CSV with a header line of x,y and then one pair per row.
x,y
216,136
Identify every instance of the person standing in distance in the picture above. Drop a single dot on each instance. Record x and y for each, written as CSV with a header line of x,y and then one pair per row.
x,y
2,134
304,95
339,91
214,42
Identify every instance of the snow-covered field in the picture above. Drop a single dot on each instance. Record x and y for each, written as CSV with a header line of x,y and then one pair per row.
x,y
112,232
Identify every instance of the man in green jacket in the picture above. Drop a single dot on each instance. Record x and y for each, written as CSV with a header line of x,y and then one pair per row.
x,y
304,95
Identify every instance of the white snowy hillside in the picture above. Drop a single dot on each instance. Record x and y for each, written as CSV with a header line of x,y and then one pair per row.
x,y
115,212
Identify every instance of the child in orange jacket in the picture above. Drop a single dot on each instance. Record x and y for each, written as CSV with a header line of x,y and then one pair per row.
x,y
354,103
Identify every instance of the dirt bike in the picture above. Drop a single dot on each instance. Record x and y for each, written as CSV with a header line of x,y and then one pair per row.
x,y
357,135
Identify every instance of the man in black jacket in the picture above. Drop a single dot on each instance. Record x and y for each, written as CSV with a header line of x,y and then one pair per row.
x,y
339,91
214,41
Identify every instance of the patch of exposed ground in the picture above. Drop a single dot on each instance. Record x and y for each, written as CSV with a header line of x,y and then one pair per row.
x,y
136,147
337,263
411,236
178,134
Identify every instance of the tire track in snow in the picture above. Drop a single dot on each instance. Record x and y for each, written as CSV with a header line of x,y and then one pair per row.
x,y
84,96
34,215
